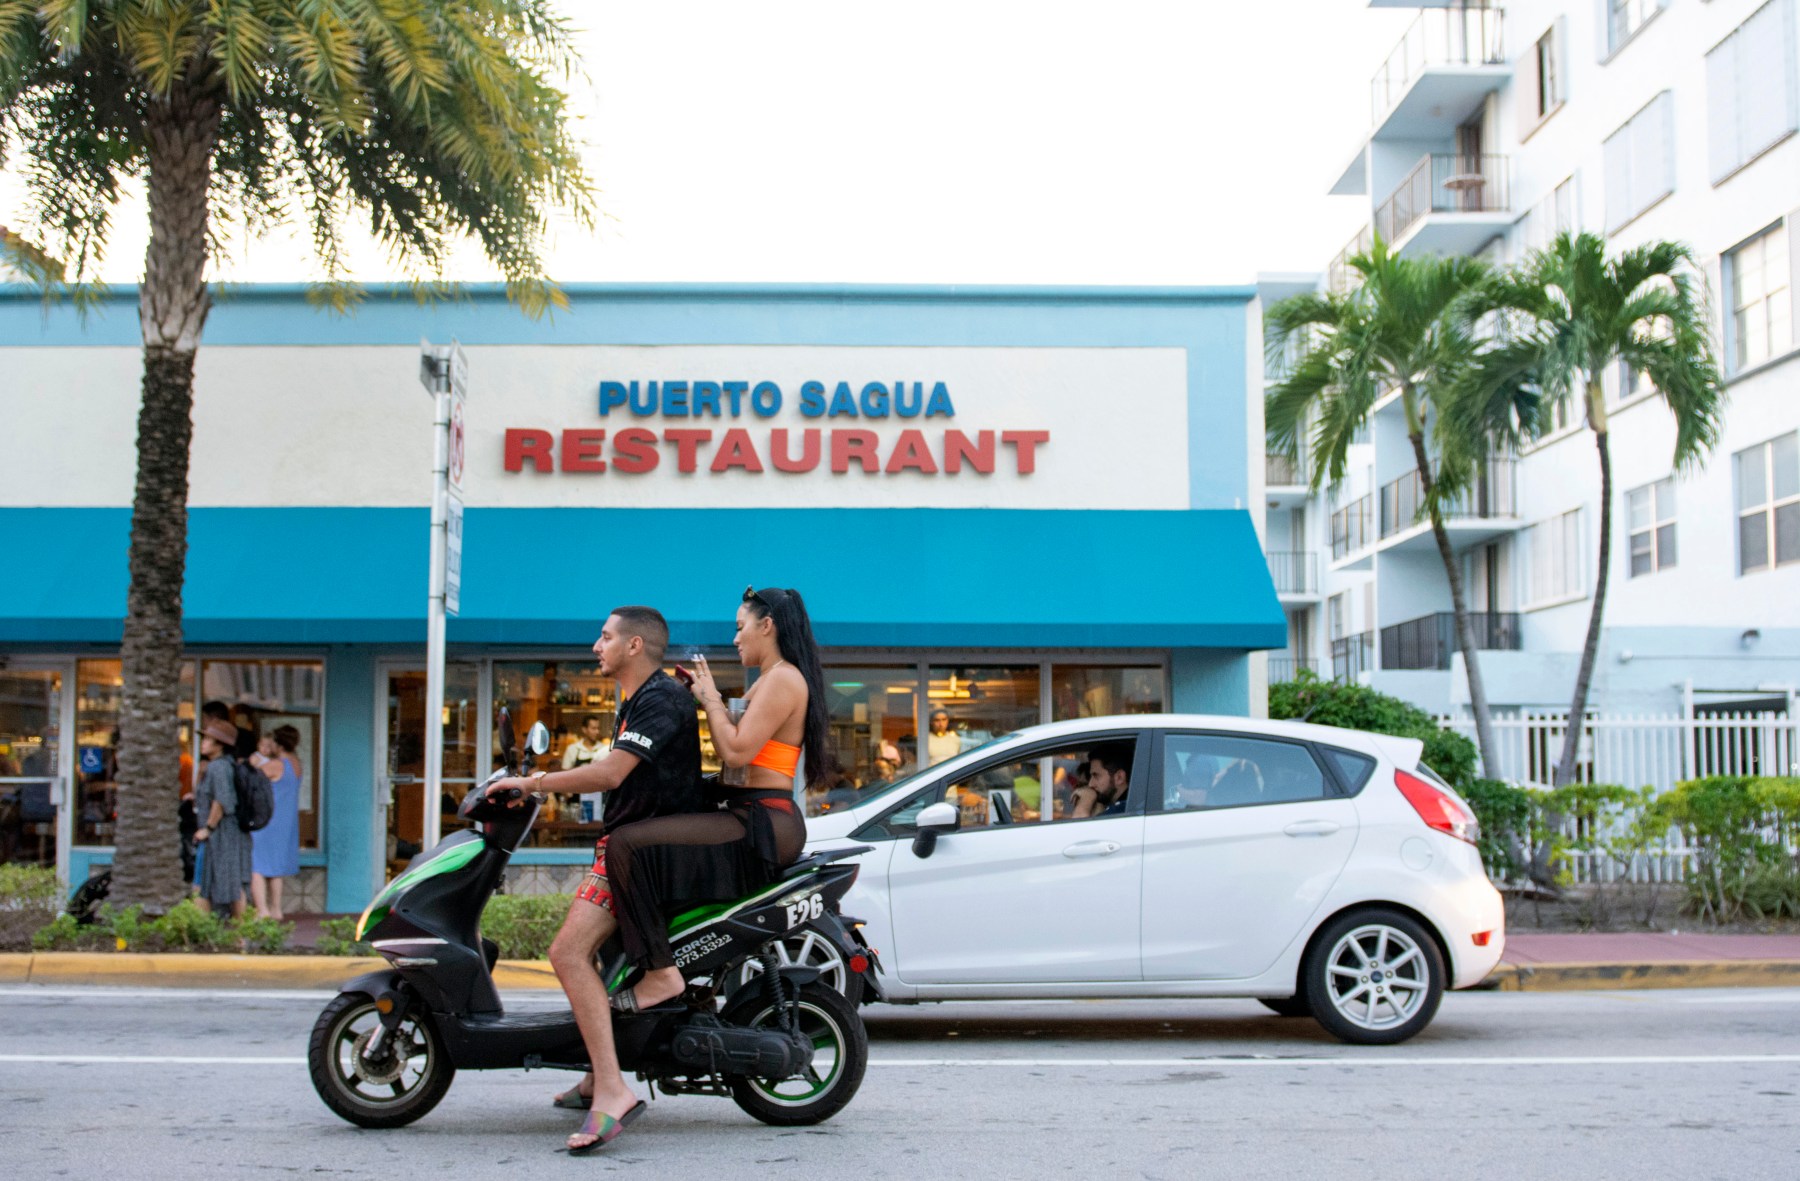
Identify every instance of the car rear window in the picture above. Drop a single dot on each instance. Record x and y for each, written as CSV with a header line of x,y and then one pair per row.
x,y
1354,769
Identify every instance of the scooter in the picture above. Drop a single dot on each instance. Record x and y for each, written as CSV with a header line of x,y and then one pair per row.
x,y
769,1035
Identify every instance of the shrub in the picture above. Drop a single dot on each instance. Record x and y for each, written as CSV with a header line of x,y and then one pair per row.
x,y
1506,814
1740,829
184,928
1358,707
524,924
338,937
29,898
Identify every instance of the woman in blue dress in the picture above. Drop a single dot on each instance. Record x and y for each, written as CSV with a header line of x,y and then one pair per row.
x,y
276,846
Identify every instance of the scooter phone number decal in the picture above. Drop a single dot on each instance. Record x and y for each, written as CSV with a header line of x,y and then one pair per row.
x,y
805,909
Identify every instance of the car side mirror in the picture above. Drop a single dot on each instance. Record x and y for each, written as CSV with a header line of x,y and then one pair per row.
x,y
933,820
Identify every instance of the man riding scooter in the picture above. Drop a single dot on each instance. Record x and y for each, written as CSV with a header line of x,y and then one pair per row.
x,y
653,769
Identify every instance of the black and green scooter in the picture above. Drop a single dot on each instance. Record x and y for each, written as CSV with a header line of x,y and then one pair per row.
x,y
753,1026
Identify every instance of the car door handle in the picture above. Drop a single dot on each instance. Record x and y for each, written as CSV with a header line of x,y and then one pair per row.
x,y
1092,849
1311,828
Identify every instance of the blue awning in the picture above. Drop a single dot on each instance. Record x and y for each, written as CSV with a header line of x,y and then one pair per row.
x,y
914,578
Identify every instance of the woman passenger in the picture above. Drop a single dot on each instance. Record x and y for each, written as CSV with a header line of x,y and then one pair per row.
x,y
655,865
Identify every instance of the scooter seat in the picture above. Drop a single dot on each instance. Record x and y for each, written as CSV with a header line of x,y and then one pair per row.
x,y
822,858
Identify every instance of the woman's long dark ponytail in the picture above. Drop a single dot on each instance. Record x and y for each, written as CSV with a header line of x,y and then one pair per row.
x,y
794,636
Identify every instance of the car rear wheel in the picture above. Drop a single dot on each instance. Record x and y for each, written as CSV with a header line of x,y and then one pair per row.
x,y
1374,977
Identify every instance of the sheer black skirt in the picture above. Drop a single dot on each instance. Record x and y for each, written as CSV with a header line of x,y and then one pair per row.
x,y
658,867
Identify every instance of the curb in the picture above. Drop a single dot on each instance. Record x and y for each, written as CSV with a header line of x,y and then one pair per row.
x,y
178,970
1672,974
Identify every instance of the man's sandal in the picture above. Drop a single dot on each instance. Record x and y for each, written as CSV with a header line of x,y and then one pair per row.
x,y
627,1002
603,1128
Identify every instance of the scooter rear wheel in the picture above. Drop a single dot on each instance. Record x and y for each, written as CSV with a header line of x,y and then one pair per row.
x,y
387,1092
840,1055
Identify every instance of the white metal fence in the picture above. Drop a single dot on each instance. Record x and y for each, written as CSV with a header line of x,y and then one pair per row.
x,y
1635,752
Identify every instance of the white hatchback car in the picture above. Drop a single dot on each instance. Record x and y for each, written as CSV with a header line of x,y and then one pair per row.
x,y
1321,871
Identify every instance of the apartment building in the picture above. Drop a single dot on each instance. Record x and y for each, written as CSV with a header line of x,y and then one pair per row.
x,y
1491,129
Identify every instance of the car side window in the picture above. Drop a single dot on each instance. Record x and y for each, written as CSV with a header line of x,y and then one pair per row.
x,y
1352,768
1207,771
1029,787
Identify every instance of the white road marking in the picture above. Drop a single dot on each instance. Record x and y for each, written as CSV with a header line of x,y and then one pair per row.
x,y
1235,1062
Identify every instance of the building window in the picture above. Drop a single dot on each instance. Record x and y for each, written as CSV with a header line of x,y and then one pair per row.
x,y
1554,215
1546,61
1093,691
1762,315
1625,18
1640,162
874,728
966,706
1750,100
1768,497
1650,516
1553,566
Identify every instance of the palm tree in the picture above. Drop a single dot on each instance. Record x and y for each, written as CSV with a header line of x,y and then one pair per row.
x,y
1404,327
1575,313
434,120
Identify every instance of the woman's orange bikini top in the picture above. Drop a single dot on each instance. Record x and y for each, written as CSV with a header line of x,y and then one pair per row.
x,y
778,757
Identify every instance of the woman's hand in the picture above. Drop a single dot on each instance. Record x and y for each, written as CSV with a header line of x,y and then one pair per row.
x,y
704,686
201,833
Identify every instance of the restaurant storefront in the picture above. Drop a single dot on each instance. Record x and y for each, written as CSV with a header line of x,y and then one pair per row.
x,y
1002,506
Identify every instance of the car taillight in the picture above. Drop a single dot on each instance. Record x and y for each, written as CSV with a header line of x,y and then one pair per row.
x,y
1437,808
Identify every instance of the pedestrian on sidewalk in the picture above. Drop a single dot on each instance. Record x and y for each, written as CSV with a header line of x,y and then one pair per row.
x,y
275,848
224,872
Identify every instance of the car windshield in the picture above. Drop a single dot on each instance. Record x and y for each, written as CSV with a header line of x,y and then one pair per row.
x,y
902,783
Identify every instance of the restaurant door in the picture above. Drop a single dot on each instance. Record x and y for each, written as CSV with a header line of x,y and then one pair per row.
x,y
35,764
400,754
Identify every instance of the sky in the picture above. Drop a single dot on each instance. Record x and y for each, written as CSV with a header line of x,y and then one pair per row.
x,y
976,141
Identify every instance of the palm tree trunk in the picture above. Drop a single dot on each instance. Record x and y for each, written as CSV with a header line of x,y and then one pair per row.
x,y
1584,675
1465,630
172,304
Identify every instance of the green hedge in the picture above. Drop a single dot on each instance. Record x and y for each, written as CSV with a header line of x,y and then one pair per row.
x,y
29,898
184,928
1358,707
1740,829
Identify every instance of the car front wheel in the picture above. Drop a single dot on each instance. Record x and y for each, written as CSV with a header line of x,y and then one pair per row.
x,y
1374,977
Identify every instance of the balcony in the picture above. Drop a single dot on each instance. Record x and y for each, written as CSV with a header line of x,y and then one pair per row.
x,y
1448,204
1351,656
1282,471
1445,65
1430,640
1484,511
1285,666
1296,573
1352,528
1340,277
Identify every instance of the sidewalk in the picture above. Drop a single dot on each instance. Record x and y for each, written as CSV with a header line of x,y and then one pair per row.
x,y
1534,962
1540,961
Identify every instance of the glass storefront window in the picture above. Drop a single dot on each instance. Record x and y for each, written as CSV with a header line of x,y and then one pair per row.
x,y
30,706
406,751
873,709
564,696
1092,691
98,684
265,695
965,706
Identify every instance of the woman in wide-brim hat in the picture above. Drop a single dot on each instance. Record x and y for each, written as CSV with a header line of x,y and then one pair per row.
x,y
224,873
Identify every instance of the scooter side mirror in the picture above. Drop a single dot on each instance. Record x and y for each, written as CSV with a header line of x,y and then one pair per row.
x,y
537,739
933,821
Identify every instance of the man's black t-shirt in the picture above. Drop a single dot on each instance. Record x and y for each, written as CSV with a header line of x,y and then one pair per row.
x,y
658,725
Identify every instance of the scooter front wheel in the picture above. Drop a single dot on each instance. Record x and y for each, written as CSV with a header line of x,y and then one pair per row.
x,y
387,1090
840,1055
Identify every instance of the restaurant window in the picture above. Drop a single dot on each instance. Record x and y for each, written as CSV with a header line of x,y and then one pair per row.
x,y
460,723
967,705
30,723
98,685
873,710
263,696
1092,691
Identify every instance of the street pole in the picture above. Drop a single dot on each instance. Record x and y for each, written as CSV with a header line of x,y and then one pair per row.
x,y
443,371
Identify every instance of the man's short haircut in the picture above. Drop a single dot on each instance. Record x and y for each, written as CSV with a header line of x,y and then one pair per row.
x,y
1114,756
648,624
594,718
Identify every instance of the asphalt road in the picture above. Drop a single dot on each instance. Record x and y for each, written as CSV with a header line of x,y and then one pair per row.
x,y
99,1083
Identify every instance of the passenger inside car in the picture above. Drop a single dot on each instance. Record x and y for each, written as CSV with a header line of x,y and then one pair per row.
x,y
1108,780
